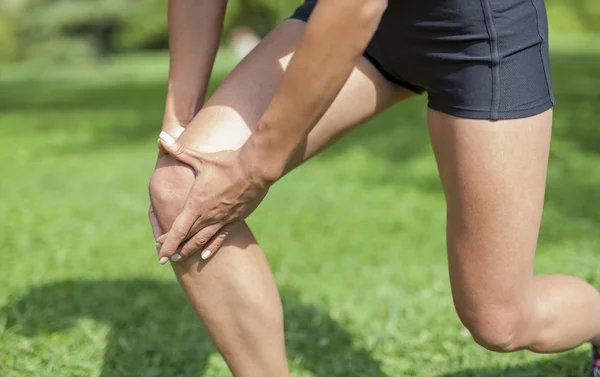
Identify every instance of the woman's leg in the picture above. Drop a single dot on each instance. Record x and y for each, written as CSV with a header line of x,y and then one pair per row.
x,y
494,176
234,293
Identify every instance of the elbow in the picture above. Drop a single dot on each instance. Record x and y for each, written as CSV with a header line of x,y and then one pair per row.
x,y
359,12
374,9
367,18
371,11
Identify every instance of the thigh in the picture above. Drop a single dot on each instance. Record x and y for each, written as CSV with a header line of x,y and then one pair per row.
x,y
231,114
233,111
493,174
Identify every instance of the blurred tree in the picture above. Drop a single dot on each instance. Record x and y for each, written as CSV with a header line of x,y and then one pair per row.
x,y
143,26
52,23
589,12
8,30
8,38
61,27
68,29
259,15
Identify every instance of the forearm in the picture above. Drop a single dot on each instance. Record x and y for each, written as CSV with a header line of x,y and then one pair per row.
x,y
336,35
194,34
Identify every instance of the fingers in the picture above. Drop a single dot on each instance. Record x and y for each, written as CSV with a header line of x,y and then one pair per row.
x,y
158,243
175,129
215,243
161,239
180,152
210,239
179,232
196,243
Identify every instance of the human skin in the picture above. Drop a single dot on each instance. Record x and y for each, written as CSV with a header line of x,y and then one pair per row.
x,y
232,183
233,293
493,175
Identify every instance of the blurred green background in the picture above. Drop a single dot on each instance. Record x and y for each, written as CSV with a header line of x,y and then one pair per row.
x,y
355,238
93,29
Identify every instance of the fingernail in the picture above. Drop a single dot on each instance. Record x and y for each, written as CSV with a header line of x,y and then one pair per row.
x,y
158,246
205,254
175,257
163,260
166,138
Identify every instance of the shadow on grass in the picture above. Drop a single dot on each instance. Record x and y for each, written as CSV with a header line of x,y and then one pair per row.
x,y
571,365
154,333
144,338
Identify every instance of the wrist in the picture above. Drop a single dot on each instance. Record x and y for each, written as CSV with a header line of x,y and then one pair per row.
x,y
174,126
264,159
174,123
182,105
173,118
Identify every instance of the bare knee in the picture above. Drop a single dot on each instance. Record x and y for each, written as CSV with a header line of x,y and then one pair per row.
x,y
496,327
169,186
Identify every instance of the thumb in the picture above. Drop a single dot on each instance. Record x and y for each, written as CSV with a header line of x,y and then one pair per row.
x,y
179,151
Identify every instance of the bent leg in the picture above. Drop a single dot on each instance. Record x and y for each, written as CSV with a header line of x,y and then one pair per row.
x,y
494,176
234,293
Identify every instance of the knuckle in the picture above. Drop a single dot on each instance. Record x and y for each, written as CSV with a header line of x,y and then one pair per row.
x,y
220,238
178,149
194,203
200,240
187,251
179,233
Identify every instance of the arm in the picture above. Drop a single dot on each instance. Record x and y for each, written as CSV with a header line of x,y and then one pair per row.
x,y
233,183
194,35
336,35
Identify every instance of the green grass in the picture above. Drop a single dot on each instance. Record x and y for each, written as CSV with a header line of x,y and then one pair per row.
x,y
355,238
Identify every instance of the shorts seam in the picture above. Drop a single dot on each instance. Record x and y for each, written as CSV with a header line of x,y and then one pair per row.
x,y
506,114
546,73
494,57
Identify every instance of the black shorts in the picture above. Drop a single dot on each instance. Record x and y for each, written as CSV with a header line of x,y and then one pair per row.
x,y
480,59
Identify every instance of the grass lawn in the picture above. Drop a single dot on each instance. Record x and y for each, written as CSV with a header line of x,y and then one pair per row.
x,y
355,238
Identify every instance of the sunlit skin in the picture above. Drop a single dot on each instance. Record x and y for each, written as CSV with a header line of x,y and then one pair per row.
x,y
258,125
